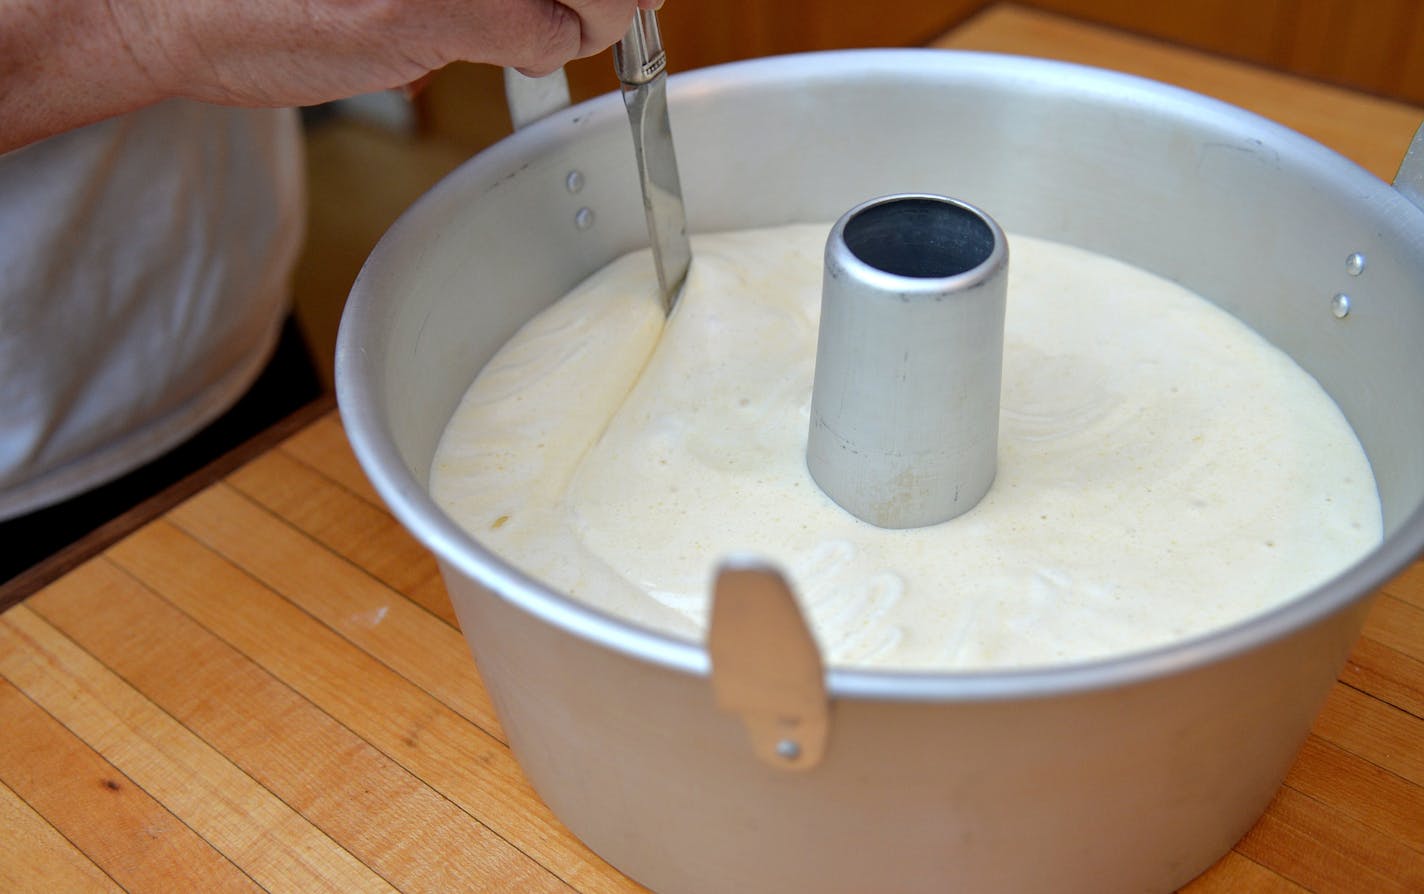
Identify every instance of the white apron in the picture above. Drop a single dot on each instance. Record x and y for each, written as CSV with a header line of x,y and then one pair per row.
x,y
144,266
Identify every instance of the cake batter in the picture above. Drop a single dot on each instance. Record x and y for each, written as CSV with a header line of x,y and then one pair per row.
x,y
1163,470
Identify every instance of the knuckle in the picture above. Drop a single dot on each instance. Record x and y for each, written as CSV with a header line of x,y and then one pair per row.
x,y
555,40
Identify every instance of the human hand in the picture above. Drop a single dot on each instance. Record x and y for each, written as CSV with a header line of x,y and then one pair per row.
x,y
283,52
67,63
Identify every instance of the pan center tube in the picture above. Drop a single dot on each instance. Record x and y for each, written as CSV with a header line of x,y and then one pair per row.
x,y
905,402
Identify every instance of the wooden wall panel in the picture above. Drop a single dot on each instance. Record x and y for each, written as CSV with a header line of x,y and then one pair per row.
x,y
1241,28
1410,84
837,24
1376,46
465,103
1368,45
699,33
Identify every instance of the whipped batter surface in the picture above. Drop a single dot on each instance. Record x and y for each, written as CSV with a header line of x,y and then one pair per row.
x,y
1163,470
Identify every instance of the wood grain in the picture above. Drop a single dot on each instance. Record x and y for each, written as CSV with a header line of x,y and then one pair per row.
x,y
1353,787
1388,675
35,858
323,446
1237,873
1245,29
264,687
413,643
1322,850
1364,45
354,528
134,838
1378,732
361,797
273,844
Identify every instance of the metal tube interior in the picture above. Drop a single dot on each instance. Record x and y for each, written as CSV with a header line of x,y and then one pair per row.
x,y
919,237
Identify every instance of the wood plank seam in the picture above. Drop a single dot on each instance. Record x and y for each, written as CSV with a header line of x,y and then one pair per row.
x,y
1226,874
216,546
1390,676
1292,811
1376,698
112,781
318,708
415,773
1327,808
298,694
79,852
303,533
1374,797
286,449
1383,712
31,580
11,623
337,720
380,507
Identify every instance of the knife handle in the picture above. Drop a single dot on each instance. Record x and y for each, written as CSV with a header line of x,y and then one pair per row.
x,y
639,56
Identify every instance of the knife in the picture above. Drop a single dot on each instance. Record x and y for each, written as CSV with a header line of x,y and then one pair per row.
x,y
641,65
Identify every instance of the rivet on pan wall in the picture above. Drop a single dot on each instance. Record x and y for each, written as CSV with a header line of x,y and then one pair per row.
x,y
1355,264
574,181
1340,305
583,218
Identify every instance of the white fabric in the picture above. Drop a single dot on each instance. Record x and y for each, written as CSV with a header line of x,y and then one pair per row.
x,y
143,281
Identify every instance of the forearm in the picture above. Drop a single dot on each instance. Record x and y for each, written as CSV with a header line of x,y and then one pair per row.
x,y
63,64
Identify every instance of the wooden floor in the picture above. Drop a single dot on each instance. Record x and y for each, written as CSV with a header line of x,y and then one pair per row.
x,y
265,688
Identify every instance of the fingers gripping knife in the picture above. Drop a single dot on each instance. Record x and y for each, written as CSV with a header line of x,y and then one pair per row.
x,y
641,66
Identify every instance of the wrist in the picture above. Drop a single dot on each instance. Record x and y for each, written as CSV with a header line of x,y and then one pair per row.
x,y
64,66
138,37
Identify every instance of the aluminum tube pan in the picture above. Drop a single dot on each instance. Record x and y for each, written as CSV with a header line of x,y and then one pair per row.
x,y
905,405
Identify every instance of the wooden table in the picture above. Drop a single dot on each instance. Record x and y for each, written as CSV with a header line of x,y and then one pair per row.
x,y
264,686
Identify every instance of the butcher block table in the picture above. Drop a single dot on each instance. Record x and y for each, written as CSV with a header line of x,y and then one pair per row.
x,y
256,681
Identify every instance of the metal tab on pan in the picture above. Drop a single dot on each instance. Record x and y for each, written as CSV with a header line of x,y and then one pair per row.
x,y
766,667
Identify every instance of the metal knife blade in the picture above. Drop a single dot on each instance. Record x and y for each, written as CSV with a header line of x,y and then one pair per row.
x,y
641,65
